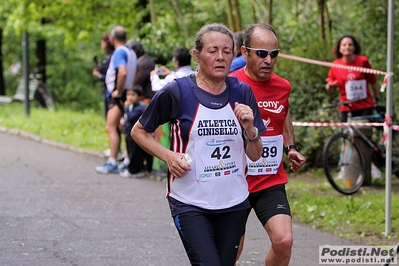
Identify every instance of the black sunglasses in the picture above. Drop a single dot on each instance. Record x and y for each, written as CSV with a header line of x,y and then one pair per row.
x,y
264,53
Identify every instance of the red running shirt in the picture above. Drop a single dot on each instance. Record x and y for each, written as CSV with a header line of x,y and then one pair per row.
x,y
272,99
343,76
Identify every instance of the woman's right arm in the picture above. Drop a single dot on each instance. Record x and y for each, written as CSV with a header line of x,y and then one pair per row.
x,y
149,143
177,166
163,106
332,83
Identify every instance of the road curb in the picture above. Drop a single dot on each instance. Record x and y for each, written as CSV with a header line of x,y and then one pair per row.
x,y
158,176
60,145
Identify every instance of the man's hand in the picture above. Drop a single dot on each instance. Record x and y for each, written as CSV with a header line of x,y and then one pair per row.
x,y
115,94
296,159
96,73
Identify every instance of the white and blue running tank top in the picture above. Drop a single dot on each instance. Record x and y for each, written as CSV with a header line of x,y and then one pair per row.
x,y
216,148
131,68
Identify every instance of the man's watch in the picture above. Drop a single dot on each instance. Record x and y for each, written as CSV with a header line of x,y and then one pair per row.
x,y
290,147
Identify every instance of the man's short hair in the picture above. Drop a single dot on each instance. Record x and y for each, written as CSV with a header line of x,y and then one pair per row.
x,y
247,38
238,41
182,55
119,33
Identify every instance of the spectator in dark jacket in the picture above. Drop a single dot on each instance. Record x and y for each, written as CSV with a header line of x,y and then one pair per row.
x,y
146,65
133,166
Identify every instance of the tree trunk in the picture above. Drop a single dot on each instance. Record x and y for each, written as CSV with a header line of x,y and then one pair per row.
x,y
260,11
329,24
321,6
41,59
180,16
270,9
152,12
2,83
253,9
229,13
238,26
141,6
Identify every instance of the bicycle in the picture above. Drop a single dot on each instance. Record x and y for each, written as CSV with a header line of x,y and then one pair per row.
x,y
43,96
38,91
347,155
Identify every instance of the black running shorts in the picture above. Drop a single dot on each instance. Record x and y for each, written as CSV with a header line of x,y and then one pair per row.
x,y
269,202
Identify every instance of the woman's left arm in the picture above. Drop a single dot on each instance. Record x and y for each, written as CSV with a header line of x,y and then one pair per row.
x,y
253,147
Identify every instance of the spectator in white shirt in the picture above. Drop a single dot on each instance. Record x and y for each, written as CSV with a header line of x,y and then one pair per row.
x,y
181,61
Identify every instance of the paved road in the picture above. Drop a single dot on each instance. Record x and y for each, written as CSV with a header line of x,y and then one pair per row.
x,y
55,210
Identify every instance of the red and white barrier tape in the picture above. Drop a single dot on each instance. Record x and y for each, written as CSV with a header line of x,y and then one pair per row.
x,y
328,64
351,68
342,124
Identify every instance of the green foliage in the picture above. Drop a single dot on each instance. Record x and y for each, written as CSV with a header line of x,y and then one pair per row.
x,y
80,129
168,33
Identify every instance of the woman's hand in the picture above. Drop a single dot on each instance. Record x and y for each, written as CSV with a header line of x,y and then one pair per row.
x,y
245,115
177,164
331,86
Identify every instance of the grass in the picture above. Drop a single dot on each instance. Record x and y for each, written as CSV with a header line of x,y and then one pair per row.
x,y
360,217
84,130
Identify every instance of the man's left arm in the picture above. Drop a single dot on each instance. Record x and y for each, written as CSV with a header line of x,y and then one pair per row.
x,y
294,156
120,63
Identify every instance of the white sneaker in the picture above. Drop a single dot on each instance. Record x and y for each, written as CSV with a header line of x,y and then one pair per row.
x,y
127,174
106,169
375,172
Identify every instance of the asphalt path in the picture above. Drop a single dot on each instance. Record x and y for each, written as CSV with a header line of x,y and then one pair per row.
x,y
56,210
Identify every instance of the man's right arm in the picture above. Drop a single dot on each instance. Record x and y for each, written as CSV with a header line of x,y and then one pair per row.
x,y
120,80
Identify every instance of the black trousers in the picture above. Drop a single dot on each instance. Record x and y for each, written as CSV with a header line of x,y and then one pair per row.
x,y
136,155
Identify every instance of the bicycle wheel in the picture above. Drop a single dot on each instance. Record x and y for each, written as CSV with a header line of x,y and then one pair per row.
x,y
48,97
40,101
342,163
44,97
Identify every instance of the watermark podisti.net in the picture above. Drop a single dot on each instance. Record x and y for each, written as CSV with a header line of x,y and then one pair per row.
x,y
363,255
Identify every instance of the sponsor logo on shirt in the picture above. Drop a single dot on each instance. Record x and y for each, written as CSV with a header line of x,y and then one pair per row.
x,y
271,106
217,127
217,142
205,175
